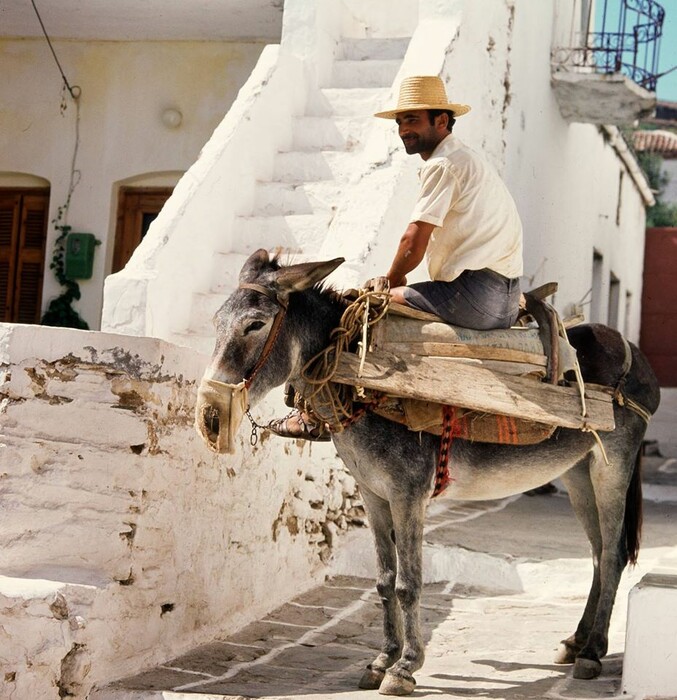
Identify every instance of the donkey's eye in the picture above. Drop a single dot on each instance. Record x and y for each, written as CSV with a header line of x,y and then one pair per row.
x,y
254,326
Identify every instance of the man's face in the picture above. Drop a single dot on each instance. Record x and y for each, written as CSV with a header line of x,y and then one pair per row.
x,y
418,134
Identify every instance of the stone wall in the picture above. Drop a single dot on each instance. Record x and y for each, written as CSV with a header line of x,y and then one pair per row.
x,y
124,540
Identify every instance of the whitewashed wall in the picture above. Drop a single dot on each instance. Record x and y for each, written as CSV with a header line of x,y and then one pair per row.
x,y
125,88
565,179
124,541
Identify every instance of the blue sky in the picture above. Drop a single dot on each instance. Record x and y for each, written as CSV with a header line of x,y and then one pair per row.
x,y
666,88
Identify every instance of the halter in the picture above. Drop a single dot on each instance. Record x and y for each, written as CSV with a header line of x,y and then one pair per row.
x,y
233,399
274,329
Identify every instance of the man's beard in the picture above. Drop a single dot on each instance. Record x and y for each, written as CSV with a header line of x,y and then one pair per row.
x,y
420,144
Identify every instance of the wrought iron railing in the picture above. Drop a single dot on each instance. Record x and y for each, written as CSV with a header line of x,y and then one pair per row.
x,y
627,44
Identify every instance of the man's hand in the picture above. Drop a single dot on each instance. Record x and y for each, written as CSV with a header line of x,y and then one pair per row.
x,y
377,284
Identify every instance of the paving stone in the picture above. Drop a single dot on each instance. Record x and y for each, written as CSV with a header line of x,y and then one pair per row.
x,y
310,617
330,596
156,679
266,635
334,657
362,584
264,681
215,659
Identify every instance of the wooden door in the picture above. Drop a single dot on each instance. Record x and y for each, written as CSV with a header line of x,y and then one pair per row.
x,y
137,208
658,337
23,231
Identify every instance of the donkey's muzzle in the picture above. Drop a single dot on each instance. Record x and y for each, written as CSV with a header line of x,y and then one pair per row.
x,y
218,413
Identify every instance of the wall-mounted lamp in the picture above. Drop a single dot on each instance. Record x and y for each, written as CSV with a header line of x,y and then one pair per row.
x,y
172,118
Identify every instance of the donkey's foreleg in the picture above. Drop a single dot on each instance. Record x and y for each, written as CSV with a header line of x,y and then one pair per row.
x,y
408,517
380,519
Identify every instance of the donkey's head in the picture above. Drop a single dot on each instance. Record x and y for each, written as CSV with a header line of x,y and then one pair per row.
x,y
255,349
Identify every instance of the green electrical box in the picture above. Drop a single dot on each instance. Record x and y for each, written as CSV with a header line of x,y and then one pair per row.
x,y
79,259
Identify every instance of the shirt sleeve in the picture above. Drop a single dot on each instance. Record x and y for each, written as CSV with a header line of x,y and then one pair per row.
x,y
439,189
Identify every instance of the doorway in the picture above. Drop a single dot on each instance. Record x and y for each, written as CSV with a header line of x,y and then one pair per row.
x,y
23,232
137,209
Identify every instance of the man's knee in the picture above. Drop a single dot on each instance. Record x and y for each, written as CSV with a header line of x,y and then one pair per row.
x,y
397,295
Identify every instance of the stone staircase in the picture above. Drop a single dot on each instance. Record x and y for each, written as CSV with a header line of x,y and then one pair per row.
x,y
294,210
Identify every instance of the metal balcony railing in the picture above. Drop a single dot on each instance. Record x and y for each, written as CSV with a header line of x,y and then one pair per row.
x,y
628,43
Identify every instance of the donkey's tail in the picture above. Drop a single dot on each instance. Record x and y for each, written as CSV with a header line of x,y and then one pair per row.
x,y
633,511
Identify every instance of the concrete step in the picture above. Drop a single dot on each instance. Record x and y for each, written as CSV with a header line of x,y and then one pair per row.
x,y
226,270
295,233
365,73
329,134
205,305
301,166
347,102
374,48
204,344
285,198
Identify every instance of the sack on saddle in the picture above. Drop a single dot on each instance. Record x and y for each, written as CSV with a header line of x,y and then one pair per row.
x,y
468,425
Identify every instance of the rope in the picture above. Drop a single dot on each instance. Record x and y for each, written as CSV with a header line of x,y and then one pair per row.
x,y
330,401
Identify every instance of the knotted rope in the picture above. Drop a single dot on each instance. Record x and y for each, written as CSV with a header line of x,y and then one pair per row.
x,y
333,403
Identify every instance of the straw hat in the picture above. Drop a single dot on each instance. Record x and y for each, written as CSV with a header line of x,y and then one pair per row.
x,y
423,92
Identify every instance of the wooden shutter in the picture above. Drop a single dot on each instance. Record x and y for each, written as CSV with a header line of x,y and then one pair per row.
x,y
10,215
23,227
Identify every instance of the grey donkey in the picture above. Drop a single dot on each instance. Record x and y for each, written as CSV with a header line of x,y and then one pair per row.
x,y
280,317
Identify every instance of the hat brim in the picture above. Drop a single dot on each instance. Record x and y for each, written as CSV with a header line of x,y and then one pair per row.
x,y
458,109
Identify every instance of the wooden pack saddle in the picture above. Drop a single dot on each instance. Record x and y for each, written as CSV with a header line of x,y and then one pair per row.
x,y
508,385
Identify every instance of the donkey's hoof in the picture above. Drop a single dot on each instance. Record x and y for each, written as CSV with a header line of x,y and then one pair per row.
x,y
586,669
566,653
371,678
396,684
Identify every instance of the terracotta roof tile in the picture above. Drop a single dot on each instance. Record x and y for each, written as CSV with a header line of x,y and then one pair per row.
x,y
659,141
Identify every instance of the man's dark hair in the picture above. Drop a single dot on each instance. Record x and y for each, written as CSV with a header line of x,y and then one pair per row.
x,y
432,113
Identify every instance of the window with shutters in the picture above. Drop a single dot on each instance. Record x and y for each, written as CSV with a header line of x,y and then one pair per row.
x,y
137,209
23,230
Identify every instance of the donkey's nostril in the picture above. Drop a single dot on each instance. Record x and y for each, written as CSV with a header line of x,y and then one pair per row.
x,y
211,422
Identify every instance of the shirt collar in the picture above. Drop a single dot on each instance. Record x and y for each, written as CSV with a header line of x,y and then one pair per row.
x,y
445,144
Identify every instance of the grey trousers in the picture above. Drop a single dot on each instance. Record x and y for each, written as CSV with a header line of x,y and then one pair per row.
x,y
479,299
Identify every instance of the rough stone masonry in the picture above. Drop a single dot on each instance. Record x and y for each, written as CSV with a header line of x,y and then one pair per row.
x,y
124,541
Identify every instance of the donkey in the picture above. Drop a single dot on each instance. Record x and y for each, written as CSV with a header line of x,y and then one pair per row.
x,y
280,317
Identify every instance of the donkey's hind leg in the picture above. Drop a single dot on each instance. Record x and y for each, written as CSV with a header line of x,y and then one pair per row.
x,y
380,519
582,497
610,484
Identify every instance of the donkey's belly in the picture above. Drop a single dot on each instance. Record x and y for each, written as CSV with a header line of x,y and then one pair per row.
x,y
482,472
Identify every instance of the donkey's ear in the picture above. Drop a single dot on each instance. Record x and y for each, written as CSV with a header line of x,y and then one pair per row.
x,y
304,275
255,263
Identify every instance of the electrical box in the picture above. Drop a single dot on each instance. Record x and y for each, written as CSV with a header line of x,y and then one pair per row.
x,y
79,258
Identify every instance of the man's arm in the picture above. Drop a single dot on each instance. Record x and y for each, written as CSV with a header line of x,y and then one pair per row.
x,y
410,252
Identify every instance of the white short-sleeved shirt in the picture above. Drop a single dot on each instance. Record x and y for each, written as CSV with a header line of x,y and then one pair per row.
x,y
475,217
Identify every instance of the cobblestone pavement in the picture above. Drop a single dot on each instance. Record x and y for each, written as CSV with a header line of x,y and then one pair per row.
x,y
487,635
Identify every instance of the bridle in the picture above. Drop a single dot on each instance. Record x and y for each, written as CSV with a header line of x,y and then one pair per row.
x,y
230,391
274,329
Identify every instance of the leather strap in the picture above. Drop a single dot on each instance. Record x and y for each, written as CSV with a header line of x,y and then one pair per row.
x,y
274,329
267,292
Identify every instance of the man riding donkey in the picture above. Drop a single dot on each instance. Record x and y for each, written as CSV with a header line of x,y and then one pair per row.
x,y
465,223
